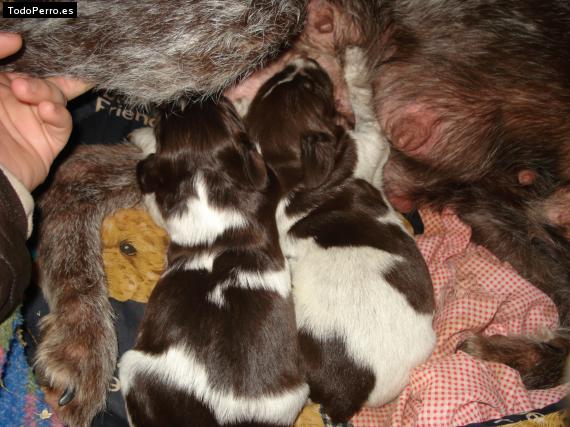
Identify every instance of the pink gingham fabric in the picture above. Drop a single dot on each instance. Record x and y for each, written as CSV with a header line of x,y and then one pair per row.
x,y
474,292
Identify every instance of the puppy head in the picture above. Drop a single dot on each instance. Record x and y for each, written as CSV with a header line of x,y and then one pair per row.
x,y
294,121
202,153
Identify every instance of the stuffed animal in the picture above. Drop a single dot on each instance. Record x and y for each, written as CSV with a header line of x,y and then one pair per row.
x,y
134,254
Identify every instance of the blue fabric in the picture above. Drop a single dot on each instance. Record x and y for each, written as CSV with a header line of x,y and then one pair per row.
x,y
21,399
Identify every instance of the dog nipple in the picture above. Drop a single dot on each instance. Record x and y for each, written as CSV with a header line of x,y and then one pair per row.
x,y
526,177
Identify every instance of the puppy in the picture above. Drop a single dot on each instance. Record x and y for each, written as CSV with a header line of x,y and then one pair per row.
x,y
218,342
363,295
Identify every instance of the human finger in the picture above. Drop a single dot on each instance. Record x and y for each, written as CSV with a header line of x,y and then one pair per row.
x,y
57,121
70,87
10,43
33,91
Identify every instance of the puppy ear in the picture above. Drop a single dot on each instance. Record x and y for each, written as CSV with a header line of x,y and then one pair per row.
x,y
147,177
317,157
254,166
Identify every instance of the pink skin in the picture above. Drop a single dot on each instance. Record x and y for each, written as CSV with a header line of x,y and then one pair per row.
x,y
401,203
557,209
526,177
394,183
414,130
246,89
319,42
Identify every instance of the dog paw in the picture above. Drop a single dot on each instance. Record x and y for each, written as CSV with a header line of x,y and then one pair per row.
x,y
74,365
540,360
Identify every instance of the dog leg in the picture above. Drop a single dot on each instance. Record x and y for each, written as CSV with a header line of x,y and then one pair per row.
x,y
78,350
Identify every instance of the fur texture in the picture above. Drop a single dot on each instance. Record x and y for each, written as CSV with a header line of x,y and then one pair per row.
x,y
472,106
363,295
540,359
230,354
489,107
156,51
476,115
469,108
78,349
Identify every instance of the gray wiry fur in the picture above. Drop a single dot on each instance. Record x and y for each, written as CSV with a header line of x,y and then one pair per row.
x,y
78,346
166,49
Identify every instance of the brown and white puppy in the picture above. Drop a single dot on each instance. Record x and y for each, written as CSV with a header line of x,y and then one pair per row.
x,y
218,342
363,295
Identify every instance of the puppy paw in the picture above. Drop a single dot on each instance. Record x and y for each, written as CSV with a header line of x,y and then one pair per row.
x,y
74,365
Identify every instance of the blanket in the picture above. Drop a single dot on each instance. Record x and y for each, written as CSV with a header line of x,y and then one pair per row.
x,y
474,293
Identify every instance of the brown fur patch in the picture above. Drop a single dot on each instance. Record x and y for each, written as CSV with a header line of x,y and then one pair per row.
x,y
92,183
540,362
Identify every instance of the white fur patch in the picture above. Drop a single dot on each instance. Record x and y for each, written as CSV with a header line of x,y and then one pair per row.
x,y
202,261
372,146
341,292
372,150
144,139
392,217
202,223
297,64
149,200
179,368
242,106
273,281
284,224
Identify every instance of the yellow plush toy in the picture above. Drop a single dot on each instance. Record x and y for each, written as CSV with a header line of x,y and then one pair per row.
x,y
134,256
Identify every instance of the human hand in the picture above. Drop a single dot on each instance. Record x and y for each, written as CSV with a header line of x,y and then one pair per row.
x,y
34,123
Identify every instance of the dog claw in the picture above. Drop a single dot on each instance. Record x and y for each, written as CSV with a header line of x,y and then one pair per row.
x,y
555,348
67,396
